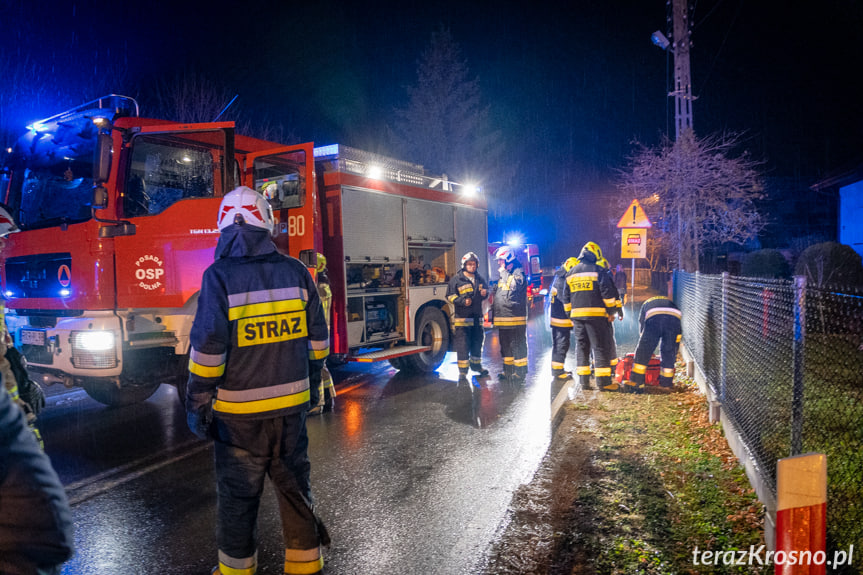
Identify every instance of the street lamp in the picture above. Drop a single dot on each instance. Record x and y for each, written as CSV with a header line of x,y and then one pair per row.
x,y
660,40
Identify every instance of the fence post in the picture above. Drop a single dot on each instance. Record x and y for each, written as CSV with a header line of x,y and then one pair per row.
x,y
801,515
797,350
723,349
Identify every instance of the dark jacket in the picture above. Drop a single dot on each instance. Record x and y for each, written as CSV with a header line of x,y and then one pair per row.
x,y
656,307
35,519
558,315
589,292
461,288
510,298
259,338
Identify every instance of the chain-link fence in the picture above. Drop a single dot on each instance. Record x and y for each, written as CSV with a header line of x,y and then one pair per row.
x,y
786,362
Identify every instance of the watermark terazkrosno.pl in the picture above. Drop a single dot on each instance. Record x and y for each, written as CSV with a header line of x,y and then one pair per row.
x,y
761,556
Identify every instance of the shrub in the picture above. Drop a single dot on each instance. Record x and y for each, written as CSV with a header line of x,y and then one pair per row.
x,y
767,263
830,263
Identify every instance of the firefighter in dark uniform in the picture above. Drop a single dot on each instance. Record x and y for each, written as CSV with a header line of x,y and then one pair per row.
x,y
618,304
589,298
510,314
326,389
561,324
659,323
466,291
25,393
259,341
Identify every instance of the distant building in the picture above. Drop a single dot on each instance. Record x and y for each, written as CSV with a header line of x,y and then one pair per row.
x,y
848,185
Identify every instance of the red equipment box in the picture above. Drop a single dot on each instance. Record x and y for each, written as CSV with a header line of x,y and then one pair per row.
x,y
624,369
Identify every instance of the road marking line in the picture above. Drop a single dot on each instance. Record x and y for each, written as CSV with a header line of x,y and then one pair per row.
x,y
85,489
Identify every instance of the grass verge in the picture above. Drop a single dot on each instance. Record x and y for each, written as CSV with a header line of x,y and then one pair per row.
x,y
632,485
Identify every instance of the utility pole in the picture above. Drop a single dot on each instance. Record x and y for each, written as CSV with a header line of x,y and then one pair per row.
x,y
682,80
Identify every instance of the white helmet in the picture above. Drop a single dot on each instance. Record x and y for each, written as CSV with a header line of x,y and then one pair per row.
x,y
505,253
7,223
470,256
245,206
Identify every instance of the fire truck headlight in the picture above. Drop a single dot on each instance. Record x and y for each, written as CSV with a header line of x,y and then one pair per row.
x,y
93,349
93,340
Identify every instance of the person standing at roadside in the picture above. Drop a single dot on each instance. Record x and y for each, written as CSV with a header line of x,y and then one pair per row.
x,y
259,341
620,282
510,314
589,296
36,521
25,393
326,389
559,320
466,291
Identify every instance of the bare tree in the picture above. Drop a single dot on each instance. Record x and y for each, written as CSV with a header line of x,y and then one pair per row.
x,y
190,97
697,193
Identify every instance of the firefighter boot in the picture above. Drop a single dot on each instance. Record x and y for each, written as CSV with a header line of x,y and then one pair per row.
x,y
462,375
605,384
507,372
477,367
628,386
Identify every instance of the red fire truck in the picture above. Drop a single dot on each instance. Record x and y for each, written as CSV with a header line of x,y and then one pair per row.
x,y
118,215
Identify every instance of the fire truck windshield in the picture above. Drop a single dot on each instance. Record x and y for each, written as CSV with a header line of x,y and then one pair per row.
x,y
55,194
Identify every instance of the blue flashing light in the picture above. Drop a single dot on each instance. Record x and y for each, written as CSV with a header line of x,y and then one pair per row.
x,y
331,150
9,293
515,240
65,292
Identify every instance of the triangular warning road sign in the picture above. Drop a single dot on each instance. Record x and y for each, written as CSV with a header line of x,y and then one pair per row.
x,y
634,217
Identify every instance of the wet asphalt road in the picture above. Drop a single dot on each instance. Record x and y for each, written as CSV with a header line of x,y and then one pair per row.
x,y
412,474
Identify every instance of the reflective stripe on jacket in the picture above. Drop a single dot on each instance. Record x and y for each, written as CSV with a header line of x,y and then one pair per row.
x,y
510,298
460,288
259,333
589,292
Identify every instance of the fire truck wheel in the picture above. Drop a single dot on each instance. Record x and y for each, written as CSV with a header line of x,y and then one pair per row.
x,y
432,331
108,393
398,362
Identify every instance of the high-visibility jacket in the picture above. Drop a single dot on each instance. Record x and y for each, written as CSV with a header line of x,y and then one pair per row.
x,y
657,306
461,288
558,315
589,292
259,331
510,298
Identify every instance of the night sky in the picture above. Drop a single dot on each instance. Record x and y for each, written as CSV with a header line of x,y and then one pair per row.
x,y
571,86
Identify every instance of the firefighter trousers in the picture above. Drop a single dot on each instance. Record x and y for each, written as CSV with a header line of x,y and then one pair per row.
x,y
664,330
468,346
245,452
593,334
560,342
513,348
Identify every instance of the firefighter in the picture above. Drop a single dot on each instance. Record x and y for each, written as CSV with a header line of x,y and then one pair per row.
x,y
618,304
510,314
466,291
259,341
25,393
658,323
326,390
561,324
589,299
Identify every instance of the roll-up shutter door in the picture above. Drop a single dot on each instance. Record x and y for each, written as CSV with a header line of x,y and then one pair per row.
x,y
373,226
429,221
472,235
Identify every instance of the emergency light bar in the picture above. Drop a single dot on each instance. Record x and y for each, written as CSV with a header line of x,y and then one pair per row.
x,y
107,107
380,167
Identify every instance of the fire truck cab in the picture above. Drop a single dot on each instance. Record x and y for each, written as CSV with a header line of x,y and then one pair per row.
x,y
117,216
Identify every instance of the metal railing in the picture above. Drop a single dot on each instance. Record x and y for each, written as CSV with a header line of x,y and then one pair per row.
x,y
785,360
